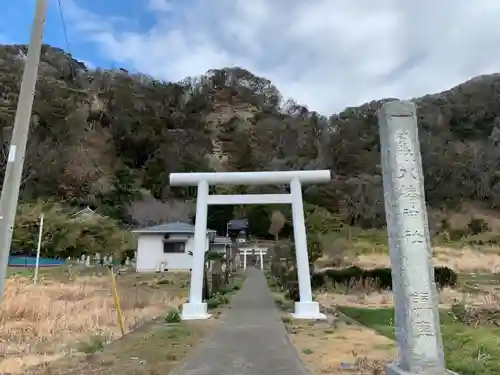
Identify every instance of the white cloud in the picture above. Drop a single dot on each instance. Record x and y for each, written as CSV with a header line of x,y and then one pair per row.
x,y
323,53
160,5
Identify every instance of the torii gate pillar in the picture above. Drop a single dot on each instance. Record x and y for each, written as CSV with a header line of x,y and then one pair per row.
x,y
195,308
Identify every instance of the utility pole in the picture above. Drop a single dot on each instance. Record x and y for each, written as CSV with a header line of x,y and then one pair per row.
x,y
17,149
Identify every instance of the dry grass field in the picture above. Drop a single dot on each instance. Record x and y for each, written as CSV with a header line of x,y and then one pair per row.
x,y
478,270
359,336
65,314
464,260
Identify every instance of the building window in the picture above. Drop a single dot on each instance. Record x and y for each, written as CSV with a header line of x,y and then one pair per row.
x,y
174,247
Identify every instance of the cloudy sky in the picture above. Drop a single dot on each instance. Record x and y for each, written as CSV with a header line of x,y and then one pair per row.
x,y
327,54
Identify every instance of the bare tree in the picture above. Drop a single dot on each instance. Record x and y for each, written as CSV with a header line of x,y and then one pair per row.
x,y
365,199
334,249
151,211
40,155
277,223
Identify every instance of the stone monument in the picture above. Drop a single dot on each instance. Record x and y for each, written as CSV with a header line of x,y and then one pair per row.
x,y
418,332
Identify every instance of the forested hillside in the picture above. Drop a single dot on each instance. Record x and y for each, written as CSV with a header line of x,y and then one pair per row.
x,y
109,139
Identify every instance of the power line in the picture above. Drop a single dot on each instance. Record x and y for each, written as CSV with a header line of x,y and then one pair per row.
x,y
66,39
65,29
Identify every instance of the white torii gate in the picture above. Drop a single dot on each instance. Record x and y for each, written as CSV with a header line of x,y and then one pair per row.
x,y
260,251
195,308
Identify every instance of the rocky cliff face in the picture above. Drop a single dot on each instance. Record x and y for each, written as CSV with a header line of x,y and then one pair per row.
x,y
93,127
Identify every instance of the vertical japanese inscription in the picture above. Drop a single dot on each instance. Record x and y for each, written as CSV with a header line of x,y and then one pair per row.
x,y
420,300
404,142
422,315
417,326
410,192
411,211
405,156
414,236
423,328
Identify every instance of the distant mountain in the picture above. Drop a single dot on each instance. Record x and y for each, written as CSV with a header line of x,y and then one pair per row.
x,y
95,132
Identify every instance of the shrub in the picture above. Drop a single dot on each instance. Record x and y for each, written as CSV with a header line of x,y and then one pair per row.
x,y
346,276
94,344
320,221
445,277
279,272
457,234
173,316
213,303
380,278
223,299
65,235
292,291
226,289
486,238
216,300
164,282
318,280
477,226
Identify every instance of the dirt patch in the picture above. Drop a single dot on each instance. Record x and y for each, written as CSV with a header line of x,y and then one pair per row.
x,y
341,348
45,322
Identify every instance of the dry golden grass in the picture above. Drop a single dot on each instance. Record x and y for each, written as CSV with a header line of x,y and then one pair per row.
x,y
46,321
461,218
364,298
465,260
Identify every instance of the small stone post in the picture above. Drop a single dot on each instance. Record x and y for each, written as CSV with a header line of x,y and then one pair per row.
x,y
418,332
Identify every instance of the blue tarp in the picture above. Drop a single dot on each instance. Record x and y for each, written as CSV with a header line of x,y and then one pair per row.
x,y
24,261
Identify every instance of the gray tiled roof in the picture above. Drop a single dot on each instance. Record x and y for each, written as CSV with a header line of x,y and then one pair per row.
x,y
169,228
237,224
222,240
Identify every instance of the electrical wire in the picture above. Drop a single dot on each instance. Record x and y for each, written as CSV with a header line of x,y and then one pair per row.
x,y
65,30
66,39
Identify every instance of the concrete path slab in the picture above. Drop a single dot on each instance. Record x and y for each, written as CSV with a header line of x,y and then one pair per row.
x,y
249,340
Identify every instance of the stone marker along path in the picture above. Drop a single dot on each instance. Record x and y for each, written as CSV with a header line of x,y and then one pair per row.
x,y
249,340
418,333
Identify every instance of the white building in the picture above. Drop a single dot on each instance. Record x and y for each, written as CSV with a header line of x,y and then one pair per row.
x,y
168,247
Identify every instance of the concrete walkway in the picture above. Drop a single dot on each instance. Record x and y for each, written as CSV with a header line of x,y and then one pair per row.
x,y
249,340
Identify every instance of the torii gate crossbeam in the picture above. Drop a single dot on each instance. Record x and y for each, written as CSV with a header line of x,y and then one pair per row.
x,y
195,308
